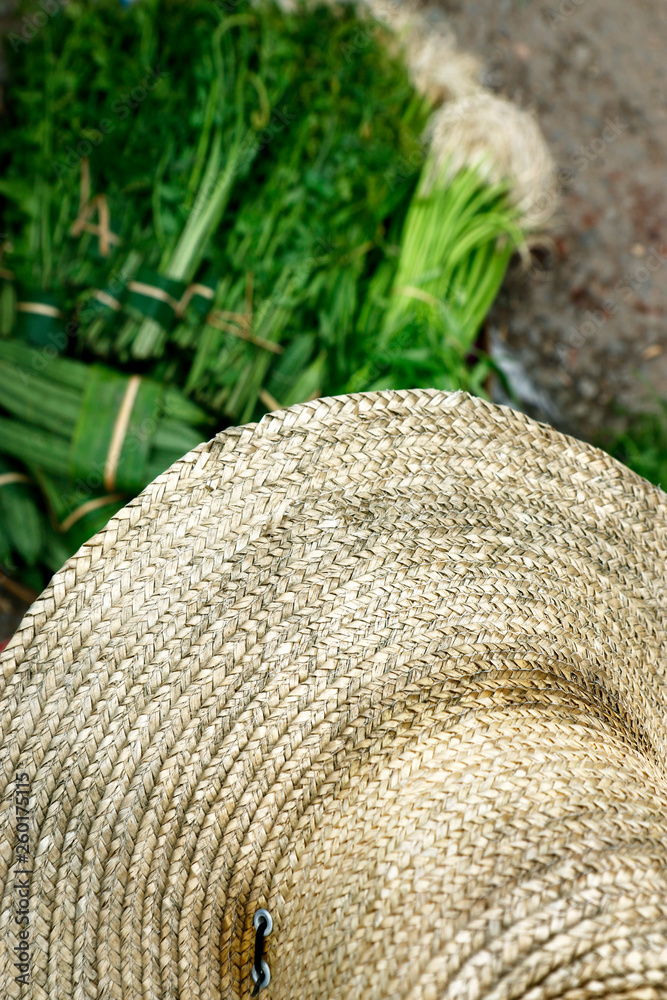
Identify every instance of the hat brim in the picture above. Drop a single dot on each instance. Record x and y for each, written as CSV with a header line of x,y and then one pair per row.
x,y
390,665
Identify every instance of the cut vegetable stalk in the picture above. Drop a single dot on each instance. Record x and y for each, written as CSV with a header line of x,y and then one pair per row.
x,y
221,174
474,204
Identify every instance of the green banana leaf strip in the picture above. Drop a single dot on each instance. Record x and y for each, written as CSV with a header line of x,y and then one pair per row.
x,y
19,514
40,320
102,400
104,303
7,306
200,304
76,513
5,549
144,296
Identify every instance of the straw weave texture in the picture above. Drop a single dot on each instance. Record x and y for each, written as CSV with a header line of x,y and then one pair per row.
x,y
390,665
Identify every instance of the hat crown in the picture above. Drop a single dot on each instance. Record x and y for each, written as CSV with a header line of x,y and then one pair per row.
x,y
390,666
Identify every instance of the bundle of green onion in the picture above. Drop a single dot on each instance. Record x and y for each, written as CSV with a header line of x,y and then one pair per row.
x,y
486,183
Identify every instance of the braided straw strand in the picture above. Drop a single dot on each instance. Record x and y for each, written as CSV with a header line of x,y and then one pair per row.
x,y
391,666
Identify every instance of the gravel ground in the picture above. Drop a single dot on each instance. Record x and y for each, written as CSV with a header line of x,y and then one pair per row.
x,y
584,336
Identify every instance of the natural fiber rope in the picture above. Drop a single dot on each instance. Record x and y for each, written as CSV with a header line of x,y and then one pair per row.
x,y
119,432
391,666
106,299
239,324
87,207
153,292
221,321
40,309
194,289
418,293
86,508
8,478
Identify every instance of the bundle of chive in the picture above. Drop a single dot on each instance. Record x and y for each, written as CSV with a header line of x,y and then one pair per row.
x,y
486,185
265,238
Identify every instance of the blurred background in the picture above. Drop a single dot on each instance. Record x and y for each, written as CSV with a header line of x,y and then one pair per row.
x,y
211,210
595,73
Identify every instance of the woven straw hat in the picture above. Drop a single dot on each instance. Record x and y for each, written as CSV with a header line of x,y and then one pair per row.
x,y
390,667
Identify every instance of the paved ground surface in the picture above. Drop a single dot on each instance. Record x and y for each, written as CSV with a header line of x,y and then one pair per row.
x,y
587,333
